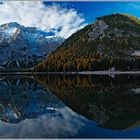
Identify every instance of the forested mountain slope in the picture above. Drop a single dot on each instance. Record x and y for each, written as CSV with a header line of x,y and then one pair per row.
x,y
110,42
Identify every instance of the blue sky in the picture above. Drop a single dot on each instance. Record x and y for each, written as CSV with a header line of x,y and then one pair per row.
x,y
91,10
61,18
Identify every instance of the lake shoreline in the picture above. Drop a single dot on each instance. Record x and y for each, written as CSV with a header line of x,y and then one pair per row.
x,y
73,73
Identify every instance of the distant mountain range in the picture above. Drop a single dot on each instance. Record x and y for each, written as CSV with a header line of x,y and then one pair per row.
x,y
23,47
111,42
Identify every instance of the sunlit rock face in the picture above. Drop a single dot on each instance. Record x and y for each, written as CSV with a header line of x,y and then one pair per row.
x,y
102,30
98,29
112,102
23,47
22,98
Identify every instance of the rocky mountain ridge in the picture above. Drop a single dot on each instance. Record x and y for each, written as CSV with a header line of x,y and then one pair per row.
x,y
110,42
23,47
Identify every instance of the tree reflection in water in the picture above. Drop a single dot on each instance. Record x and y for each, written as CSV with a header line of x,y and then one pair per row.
x,y
113,103
62,105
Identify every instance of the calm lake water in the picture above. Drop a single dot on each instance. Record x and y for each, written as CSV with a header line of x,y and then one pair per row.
x,y
66,106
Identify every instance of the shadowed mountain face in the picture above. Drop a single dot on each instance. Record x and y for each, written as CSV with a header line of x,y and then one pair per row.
x,y
113,103
24,47
23,98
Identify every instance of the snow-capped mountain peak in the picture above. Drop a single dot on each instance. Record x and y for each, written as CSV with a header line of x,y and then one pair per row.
x,y
24,46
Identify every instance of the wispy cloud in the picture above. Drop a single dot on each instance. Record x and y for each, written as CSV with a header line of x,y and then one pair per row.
x,y
63,123
28,13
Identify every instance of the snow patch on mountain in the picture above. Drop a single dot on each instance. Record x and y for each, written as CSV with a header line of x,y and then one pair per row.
x,y
24,46
136,53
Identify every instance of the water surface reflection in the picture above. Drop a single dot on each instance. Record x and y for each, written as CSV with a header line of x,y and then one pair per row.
x,y
69,106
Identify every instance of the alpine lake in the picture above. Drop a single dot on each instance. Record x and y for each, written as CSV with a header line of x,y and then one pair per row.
x,y
70,106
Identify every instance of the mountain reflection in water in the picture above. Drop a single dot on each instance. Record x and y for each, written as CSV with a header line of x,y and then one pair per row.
x,y
69,106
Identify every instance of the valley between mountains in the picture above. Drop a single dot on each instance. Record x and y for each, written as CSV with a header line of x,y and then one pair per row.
x,y
112,42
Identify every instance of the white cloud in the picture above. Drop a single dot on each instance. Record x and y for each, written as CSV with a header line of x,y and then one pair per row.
x,y
29,13
63,123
